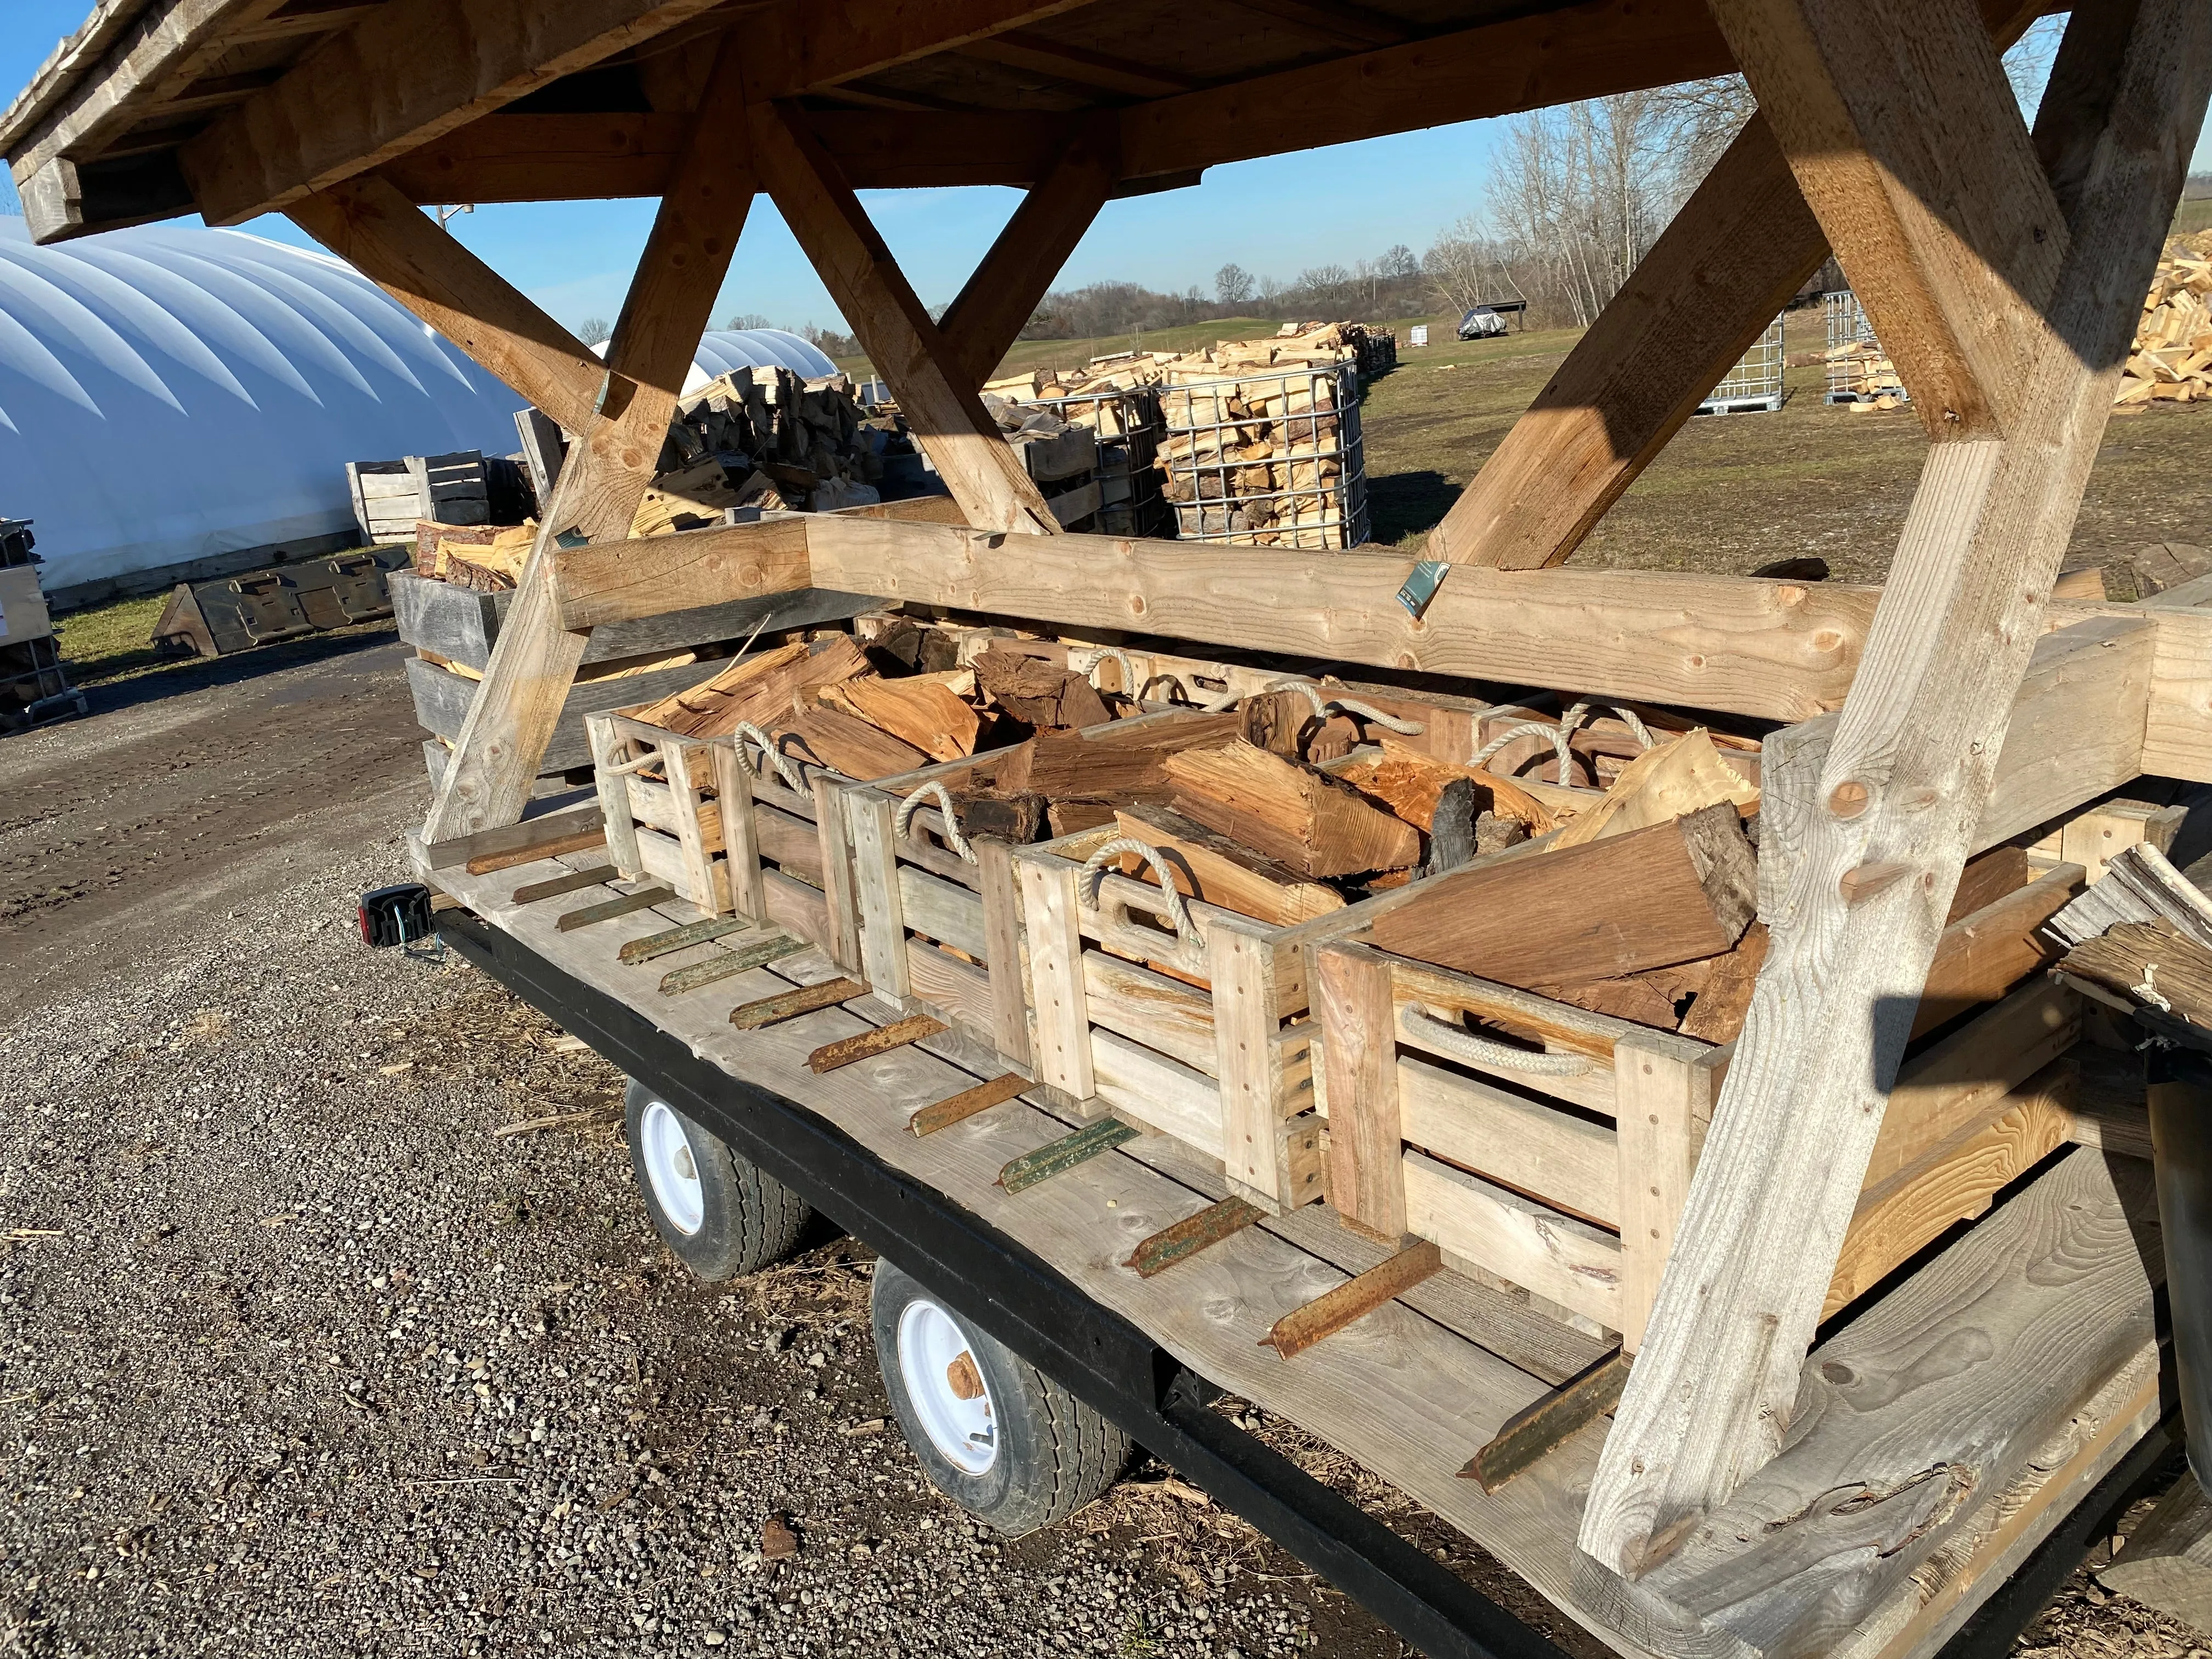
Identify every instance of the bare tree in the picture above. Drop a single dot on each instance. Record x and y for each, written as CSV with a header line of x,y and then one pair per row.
x,y
745,320
593,329
1232,285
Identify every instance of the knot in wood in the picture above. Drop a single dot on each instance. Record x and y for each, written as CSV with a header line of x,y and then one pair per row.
x,y
1849,799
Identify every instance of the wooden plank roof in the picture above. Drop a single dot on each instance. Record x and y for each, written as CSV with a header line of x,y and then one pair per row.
x,y
234,107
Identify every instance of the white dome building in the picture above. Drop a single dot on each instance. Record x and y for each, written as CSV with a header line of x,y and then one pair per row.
x,y
756,348
171,394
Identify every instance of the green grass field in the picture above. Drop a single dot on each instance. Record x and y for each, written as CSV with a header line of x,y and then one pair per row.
x,y
111,641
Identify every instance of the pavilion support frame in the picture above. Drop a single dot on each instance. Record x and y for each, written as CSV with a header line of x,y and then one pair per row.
x,y
2007,310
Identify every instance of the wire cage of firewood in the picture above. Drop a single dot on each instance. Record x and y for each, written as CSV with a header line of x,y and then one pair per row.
x,y
1128,424
1859,368
1754,384
1267,461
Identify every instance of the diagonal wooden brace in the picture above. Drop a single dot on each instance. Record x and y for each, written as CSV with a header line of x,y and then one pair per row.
x,y
935,393
995,303
1904,784
1734,256
534,662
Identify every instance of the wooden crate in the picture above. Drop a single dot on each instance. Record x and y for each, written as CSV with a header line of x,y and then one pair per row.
x,y
1549,1149
938,929
757,849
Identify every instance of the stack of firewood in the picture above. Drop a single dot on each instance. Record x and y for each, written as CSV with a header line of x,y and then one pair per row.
x,y
764,438
2172,361
1864,369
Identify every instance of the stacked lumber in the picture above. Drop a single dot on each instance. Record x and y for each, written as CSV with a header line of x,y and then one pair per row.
x,y
465,488
767,439
2171,361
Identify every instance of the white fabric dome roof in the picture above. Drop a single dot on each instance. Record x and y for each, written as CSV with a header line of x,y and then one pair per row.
x,y
167,393
756,348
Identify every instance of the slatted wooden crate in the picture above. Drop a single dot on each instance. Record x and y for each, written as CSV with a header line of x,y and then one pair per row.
x,y
1550,1149
757,849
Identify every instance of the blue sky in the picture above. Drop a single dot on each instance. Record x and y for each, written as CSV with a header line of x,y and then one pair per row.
x,y
1275,218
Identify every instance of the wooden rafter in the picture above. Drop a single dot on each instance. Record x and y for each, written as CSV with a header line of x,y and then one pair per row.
x,y
1349,26
418,263
609,468
1601,47
1020,49
809,45
938,401
994,304
408,72
536,158
1868,834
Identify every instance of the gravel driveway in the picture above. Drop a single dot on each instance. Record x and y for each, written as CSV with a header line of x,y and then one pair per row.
x,y
310,1342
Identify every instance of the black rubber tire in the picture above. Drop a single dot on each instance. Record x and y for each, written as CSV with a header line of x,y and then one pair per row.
x,y
1055,1454
751,1220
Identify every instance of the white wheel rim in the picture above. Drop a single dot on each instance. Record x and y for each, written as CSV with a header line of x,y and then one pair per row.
x,y
671,1169
932,1348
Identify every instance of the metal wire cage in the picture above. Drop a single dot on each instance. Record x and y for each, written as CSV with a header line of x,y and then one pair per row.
x,y
1128,424
1267,459
1754,384
1859,370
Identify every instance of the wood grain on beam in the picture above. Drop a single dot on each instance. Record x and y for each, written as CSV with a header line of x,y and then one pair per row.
x,y
1779,650
609,468
1901,787
1905,137
1585,51
418,263
996,302
940,405
408,72
1743,243
1348,26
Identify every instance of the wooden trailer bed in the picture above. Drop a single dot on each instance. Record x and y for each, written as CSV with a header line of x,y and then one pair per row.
x,y
1758,1489
1954,1425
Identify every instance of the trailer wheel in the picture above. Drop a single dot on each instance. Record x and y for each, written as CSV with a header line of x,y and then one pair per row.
x,y
723,1215
994,1434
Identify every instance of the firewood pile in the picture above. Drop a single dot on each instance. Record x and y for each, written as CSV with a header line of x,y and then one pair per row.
x,y
1863,370
889,699
1062,457
2172,358
765,438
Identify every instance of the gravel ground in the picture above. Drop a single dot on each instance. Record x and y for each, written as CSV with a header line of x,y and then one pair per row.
x,y
310,1343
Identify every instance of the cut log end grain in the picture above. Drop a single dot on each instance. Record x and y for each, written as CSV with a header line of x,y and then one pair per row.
x,y
1300,817
1042,694
1674,893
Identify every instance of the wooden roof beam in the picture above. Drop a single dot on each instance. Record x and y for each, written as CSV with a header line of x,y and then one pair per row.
x,y
408,72
809,45
1592,50
982,323
1348,26
1866,831
539,158
1020,49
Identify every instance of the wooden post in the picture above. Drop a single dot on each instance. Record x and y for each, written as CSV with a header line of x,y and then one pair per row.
x,y
996,302
1353,999
608,469
1051,907
1002,948
881,912
1871,855
733,801
1654,1091
934,392
1248,1061
614,793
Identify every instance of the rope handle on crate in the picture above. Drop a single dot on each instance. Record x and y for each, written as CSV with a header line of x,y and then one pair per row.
x,y
1322,705
1462,1044
635,763
786,768
1092,882
1564,731
1120,658
901,823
